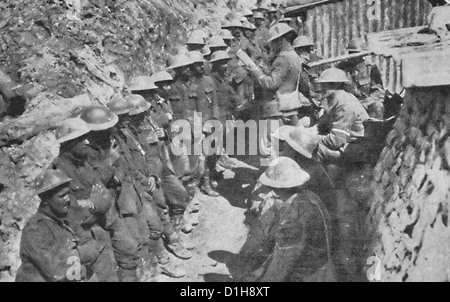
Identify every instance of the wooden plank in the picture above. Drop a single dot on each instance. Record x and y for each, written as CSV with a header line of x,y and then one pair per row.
x,y
426,69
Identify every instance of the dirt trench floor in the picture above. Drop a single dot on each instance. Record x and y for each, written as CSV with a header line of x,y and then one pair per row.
x,y
221,231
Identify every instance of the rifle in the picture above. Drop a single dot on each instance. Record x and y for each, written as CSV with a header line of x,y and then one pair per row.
x,y
340,58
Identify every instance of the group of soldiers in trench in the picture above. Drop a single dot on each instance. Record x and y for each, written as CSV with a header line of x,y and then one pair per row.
x,y
119,205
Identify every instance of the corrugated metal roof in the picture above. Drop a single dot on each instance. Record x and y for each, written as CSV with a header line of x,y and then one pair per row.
x,y
333,24
293,10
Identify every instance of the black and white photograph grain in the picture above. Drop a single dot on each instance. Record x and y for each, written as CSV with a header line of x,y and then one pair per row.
x,y
224,147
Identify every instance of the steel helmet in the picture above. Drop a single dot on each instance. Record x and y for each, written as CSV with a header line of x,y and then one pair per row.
x,y
282,133
279,30
206,51
181,60
99,117
248,26
71,129
254,9
226,34
258,15
142,83
243,19
161,76
197,37
303,140
196,57
217,42
303,41
220,55
49,180
273,10
357,45
284,173
264,7
119,106
248,13
138,103
233,24
333,75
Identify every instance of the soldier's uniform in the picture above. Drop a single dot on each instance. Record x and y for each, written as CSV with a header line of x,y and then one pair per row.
x,y
289,239
291,229
227,98
282,79
343,124
366,84
46,245
51,246
201,93
84,178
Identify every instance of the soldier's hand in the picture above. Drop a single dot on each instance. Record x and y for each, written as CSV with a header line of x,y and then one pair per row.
x,y
97,194
160,133
86,204
113,154
151,184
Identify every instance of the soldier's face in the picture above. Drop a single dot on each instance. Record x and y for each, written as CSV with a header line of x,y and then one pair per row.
x,y
304,53
78,146
124,120
236,33
186,72
276,45
198,68
59,201
222,68
258,22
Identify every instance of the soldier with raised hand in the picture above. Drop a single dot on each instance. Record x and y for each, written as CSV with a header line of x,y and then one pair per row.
x,y
51,249
89,187
365,80
289,241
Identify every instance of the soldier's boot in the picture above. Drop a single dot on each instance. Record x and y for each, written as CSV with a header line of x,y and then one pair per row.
x,y
127,275
174,245
177,221
206,186
165,265
186,242
181,224
147,266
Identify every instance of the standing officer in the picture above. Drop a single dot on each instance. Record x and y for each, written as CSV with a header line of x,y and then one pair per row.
x,y
282,78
